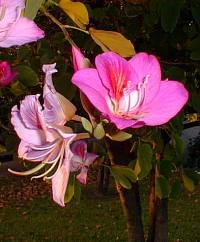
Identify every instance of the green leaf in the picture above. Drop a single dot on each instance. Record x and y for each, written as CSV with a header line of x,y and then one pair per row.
x,y
27,76
178,145
123,175
120,136
17,88
144,158
70,189
170,12
32,7
162,187
86,124
99,131
190,179
175,189
77,191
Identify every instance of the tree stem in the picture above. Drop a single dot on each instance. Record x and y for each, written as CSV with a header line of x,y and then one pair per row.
x,y
129,198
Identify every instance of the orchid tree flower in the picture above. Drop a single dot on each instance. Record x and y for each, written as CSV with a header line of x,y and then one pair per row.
x,y
131,93
6,74
44,138
15,29
81,160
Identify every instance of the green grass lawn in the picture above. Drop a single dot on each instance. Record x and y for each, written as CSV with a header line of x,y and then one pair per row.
x,y
93,220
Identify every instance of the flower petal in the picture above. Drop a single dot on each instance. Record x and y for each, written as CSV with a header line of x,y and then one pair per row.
x,y
78,59
82,176
59,183
33,136
147,66
121,122
57,109
170,99
21,32
114,72
89,83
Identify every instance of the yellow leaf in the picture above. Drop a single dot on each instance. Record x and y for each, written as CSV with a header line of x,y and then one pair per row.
x,y
76,11
114,41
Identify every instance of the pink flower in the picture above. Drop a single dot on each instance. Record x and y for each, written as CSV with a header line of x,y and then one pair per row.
x,y
6,74
44,138
81,160
79,61
14,29
131,93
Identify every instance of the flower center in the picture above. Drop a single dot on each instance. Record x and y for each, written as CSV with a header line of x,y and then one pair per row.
x,y
130,101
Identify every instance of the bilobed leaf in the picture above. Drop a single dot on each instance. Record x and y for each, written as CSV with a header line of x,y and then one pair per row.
x,y
86,124
114,41
170,12
32,7
27,76
99,131
144,158
77,11
120,136
162,187
70,189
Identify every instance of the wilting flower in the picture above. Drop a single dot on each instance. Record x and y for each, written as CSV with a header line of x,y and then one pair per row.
x,y
79,61
44,138
14,29
81,160
131,93
6,74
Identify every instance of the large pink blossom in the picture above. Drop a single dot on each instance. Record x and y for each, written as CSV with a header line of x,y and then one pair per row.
x,y
15,29
44,138
131,93
6,74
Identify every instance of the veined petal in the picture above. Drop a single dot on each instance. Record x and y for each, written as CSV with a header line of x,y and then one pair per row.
x,y
79,148
33,136
29,111
59,183
61,177
170,99
57,109
89,83
147,67
90,158
114,72
21,32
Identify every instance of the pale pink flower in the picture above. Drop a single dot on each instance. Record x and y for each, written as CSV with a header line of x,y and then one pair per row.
x,y
15,29
44,138
6,74
81,160
131,93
